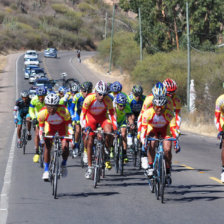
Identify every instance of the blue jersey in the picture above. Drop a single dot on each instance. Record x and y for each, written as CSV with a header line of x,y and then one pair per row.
x,y
136,106
76,106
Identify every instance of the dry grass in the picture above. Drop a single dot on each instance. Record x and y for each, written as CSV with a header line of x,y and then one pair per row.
x,y
115,74
3,61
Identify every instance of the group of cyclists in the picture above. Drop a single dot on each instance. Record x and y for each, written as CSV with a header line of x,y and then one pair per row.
x,y
81,109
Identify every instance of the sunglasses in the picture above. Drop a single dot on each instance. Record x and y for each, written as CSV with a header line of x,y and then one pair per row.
x,y
162,107
121,105
100,94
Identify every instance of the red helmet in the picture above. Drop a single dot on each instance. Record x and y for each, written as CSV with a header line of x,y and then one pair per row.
x,y
170,84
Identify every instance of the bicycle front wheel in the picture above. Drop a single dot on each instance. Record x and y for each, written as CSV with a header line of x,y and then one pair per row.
x,y
162,179
55,181
156,179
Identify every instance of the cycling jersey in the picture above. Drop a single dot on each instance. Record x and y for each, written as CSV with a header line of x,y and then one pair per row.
x,y
136,106
177,107
35,107
76,106
122,115
97,109
153,123
66,100
21,109
219,113
57,122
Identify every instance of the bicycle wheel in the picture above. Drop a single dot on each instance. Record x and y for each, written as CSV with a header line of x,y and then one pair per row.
x,y
116,157
41,157
56,173
96,170
24,142
139,155
156,179
121,157
151,184
162,179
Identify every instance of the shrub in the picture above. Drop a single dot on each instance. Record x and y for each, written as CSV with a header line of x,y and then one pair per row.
x,y
60,8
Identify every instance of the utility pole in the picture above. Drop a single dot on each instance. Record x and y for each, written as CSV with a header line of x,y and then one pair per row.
x,y
112,36
188,59
140,32
105,29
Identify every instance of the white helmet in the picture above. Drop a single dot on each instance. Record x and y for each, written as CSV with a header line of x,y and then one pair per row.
x,y
101,87
52,99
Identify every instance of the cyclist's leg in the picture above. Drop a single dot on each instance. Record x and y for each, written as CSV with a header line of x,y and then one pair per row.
x,y
124,141
19,125
47,151
28,118
167,145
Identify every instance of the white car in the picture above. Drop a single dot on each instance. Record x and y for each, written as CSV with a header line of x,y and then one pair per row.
x,y
31,54
31,61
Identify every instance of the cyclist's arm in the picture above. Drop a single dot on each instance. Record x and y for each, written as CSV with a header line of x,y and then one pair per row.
x,y
112,113
32,111
15,112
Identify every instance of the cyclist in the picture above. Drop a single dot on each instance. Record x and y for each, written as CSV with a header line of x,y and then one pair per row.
x,y
116,88
219,122
61,92
171,88
94,112
157,121
76,108
54,118
21,110
123,113
158,90
136,100
36,104
79,55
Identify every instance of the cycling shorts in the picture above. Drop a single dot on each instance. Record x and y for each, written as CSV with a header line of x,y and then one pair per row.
x,y
20,118
161,132
93,121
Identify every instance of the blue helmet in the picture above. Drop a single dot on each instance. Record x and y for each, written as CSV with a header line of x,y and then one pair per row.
x,y
159,90
41,91
61,89
121,99
116,87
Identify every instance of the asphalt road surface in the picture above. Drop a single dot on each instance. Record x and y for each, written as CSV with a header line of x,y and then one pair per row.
x,y
195,196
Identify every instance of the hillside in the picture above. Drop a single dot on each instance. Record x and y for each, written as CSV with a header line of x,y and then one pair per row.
x,y
64,24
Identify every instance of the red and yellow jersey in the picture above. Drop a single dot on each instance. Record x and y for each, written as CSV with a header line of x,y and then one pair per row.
x,y
95,108
151,120
219,113
148,104
61,116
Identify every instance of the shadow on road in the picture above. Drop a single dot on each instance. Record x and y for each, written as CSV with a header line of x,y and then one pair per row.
x,y
199,192
84,195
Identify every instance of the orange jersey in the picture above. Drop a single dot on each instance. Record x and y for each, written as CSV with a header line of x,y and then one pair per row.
x,y
95,108
219,113
150,121
61,116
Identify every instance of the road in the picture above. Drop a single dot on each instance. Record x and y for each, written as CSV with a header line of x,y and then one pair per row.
x,y
195,196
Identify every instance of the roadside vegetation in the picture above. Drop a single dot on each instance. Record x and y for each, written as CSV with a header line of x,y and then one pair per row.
x,y
64,24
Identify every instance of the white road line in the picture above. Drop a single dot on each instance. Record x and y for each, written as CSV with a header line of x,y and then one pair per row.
x,y
4,196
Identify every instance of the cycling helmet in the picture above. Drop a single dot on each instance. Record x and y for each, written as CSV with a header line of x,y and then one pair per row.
x,y
137,90
159,100
159,89
61,89
24,93
170,85
41,91
52,99
75,88
121,99
116,87
86,87
101,87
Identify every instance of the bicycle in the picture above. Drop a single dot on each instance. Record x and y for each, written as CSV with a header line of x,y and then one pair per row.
x,y
24,135
55,163
41,155
99,155
157,182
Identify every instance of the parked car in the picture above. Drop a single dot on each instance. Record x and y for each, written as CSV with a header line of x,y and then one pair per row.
x,y
31,61
50,53
28,69
35,74
31,54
